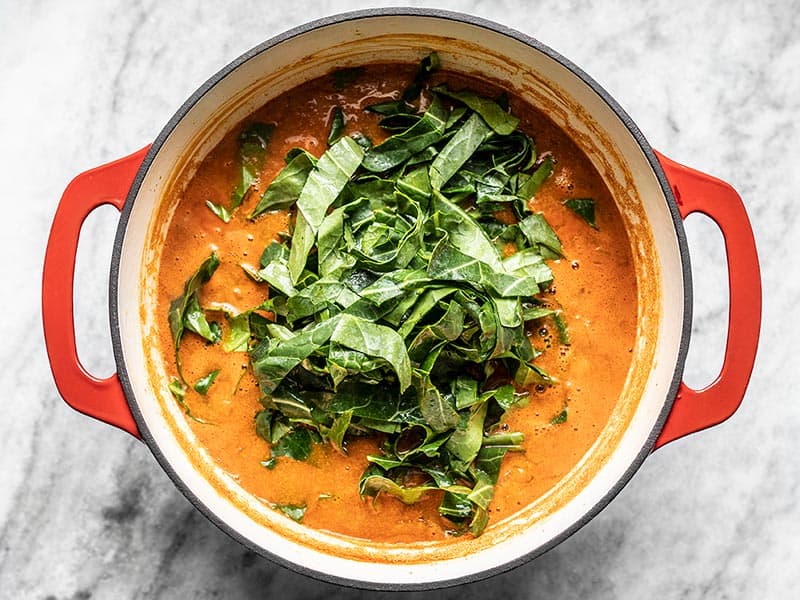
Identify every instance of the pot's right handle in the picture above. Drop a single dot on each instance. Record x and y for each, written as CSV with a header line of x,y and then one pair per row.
x,y
102,399
694,410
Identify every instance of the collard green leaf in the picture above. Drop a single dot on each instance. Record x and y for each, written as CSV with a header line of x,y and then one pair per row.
x,y
489,459
296,444
194,319
201,385
238,333
362,140
427,301
479,522
584,208
529,374
272,360
456,507
437,408
331,257
532,184
483,492
465,234
388,244
531,313
320,295
277,274
465,391
561,327
560,417
377,341
402,146
185,312
416,184
324,184
397,304
505,396
373,403
337,125
427,65
399,122
498,119
178,391
263,422
448,263
296,512
466,441
220,211
338,430
540,235
253,143
391,107
373,483
385,462
458,150
285,189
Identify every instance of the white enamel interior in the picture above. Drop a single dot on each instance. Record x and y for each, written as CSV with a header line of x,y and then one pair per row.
x,y
384,39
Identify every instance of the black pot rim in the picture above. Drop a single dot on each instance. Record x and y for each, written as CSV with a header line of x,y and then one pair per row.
x,y
319,24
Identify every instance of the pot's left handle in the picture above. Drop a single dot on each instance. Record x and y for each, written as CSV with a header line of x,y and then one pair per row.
x,y
102,399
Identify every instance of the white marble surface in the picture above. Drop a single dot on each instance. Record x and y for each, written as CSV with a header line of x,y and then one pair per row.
x,y
85,511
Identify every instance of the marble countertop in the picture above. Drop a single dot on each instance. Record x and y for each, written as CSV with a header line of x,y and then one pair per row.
x,y
86,512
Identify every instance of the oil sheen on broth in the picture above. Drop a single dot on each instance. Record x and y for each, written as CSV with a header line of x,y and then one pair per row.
x,y
595,284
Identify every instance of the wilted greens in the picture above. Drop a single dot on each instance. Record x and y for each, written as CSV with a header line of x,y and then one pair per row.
x,y
584,208
397,306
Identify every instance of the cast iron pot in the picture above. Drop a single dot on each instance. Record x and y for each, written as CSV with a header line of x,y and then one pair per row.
x,y
654,194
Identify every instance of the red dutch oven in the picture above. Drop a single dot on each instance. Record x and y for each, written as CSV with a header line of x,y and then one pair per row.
x,y
654,195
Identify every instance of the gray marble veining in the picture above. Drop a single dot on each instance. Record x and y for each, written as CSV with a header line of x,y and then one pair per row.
x,y
85,511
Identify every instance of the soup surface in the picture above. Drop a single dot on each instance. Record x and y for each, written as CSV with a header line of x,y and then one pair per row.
x,y
594,288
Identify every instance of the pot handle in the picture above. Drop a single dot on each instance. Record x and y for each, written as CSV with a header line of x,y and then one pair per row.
x,y
695,410
102,399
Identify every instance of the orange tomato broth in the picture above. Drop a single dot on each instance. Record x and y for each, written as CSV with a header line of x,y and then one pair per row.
x,y
595,284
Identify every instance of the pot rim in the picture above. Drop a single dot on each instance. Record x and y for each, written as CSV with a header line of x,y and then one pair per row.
x,y
446,15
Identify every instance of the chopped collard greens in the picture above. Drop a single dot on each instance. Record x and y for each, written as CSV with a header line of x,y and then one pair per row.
x,y
584,208
398,305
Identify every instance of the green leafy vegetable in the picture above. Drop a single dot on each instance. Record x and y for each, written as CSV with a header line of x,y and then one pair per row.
x,y
296,512
185,311
498,119
377,341
561,327
253,143
532,184
400,147
373,484
201,385
324,184
428,65
194,319
560,417
458,150
541,236
286,187
584,208
337,126
239,334
220,211
400,299
178,391
296,444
